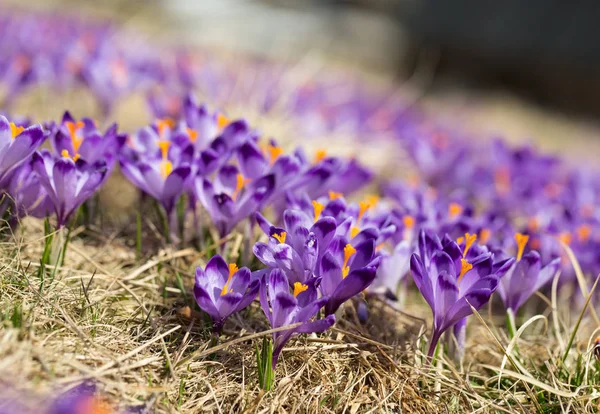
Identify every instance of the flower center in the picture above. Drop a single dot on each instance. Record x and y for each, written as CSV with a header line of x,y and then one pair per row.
x,y
239,185
320,155
349,251
318,209
192,134
280,237
484,235
274,153
584,232
232,270
166,166
73,129
15,130
521,240
469,239
65,154
299,288
454,210
222,121
162,125
465,267
565,237
333,195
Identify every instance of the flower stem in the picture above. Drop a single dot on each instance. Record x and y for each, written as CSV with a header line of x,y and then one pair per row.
x,y
510,323
264,363
433,347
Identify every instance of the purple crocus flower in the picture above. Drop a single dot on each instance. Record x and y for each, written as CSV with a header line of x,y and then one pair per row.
x,y
158,165
525,276
347,272
81,139
222,290
283,308
450,284
26,193
68,183
298,248
16,145
392,269
232,197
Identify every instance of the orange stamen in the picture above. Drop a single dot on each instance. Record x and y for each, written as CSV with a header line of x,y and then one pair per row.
x,y
469,240
363,206
465,267
521,240
354,231
164,149
318,209
454,210
274,153
232,270
299,288
460,240
15,130
565,237
484,235
349,251
280,237
66,154
73,128
164,123
192,134
584,232
333,195
166,167
409,221
222,121
240,183
320,155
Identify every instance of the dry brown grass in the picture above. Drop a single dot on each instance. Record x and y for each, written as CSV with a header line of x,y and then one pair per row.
x,y
125,323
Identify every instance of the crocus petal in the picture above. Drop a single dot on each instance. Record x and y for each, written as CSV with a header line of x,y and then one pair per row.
x,y
355,282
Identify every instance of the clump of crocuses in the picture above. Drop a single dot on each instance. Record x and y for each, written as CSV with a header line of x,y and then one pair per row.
x,y
451,284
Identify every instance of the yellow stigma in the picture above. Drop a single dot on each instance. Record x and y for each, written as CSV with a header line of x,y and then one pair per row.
x,y
320,155
318,209
454,210
164,149
565,237
299,288
373,200
232,269
280,237
408,221
15,130
521,240
73,128
222,121
363,206
166,167
240,183
465,267
354,231
469,240
192,134
484,235
65,154
333,195
349,251
584,232
274,153
164,123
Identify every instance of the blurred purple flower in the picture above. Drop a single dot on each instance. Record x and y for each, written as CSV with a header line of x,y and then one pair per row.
x,y
68,183
16,145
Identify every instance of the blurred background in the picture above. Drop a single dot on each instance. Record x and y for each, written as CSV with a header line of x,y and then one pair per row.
x,y
528,70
